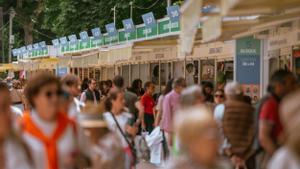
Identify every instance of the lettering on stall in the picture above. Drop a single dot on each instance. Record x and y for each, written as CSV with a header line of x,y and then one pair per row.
x,y
159,56
278,42
215,50
248,51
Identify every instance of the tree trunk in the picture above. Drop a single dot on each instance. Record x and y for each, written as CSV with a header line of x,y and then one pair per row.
x,y
28,37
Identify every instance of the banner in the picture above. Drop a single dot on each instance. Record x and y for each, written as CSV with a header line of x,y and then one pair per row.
x,y
128,25
96,33
173,13
248,61
111,29
149,20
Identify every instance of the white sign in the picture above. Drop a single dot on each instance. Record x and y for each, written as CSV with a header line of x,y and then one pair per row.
x,y
283,40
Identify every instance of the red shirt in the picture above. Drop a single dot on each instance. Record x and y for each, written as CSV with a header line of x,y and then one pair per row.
x,y
148,103
269,112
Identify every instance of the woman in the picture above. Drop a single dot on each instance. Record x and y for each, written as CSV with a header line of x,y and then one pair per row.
x,y
219,96
199,140
117,119
48,132
159,104
13,152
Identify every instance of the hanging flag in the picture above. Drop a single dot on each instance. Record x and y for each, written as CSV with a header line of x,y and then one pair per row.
x,y
111,29
55,43
36,46
23,50
149,20
96,33
15,52
63,41
190,18
128,25
173,13
73,39
84,36
43,45
29,47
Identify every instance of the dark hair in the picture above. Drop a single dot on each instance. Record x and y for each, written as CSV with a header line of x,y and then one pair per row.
x,y
278,77
148,84
113,94
108,83
90,81
69,80
135,83
3,87
169,87
207,84
37,82
118,81
179,82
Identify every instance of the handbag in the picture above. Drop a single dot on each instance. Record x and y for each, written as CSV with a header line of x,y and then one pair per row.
x,y
142,149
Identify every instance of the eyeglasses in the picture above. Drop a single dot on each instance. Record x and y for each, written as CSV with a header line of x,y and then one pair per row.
x,y
219,95
50,94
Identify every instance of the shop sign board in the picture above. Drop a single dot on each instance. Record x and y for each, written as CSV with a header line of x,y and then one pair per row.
x,y
173,13
216,49
149,20
61,71
284,40
128,25
248,60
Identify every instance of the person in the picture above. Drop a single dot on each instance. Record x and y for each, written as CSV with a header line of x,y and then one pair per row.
x,y
13,151
17,95
91,94
270,127
208,90
50,134
104,146
131,101
117,120
288,156
199,140
170,106
238,126
85,84
71,84
191,96
219,96
159,105
136,87
148,104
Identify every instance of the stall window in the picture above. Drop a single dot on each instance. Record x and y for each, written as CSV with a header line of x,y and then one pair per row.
x,y
192,72
208,70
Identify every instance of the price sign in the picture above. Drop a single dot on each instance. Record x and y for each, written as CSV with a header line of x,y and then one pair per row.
x,y
96,33
84,36
29,47
173,13
36,46
149,20
128,25
63,41
43,45
72,39
55,43
111,29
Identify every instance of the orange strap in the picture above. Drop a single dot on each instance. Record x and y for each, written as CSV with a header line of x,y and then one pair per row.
x,y
49,143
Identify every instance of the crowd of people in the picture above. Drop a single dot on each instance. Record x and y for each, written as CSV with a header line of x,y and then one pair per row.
x,y
64,123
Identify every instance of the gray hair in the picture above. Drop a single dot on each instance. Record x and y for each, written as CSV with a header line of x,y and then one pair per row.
x,y
179,82
233,89
190,94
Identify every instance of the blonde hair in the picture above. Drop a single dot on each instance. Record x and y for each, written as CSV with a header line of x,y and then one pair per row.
x,y
187,121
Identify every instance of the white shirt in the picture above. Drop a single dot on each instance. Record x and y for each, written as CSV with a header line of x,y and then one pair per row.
x,y
75,108
15,155
66,145
122,120
284,158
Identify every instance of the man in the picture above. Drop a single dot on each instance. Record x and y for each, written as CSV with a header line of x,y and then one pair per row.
x,y
237,124
91,94
148,104
170,106
71,85
270,128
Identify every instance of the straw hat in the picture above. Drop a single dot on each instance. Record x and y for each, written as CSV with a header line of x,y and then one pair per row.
x,y
91,116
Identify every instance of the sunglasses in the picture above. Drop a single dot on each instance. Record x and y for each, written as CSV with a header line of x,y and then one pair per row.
x,y
219,95
50,94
